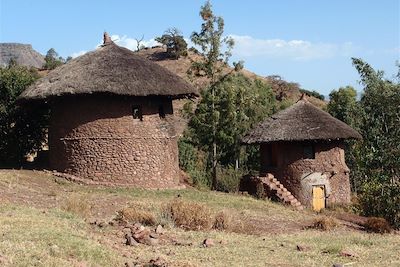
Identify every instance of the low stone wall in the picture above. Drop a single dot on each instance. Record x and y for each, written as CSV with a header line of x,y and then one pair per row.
x,y
96,137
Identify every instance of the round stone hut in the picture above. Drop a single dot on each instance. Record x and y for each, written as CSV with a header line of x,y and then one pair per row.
x,y
112,118
302,147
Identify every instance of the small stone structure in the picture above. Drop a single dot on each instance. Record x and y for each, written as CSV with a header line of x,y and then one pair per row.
x,y
112,118
303,148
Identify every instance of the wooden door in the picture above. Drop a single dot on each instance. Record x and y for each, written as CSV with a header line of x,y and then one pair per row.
x,y
318,197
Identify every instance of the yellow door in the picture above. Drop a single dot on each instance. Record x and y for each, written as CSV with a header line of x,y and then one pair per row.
x,y
318,197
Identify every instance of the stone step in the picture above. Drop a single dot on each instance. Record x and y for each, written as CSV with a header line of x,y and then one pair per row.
x,y
271,183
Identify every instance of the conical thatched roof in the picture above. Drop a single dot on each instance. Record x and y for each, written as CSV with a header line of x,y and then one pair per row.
x,y
300,122
110,69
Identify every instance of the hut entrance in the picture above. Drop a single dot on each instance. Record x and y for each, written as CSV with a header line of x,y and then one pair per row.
x,y
318,192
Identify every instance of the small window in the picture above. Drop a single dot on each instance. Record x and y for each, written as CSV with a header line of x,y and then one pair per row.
x,y
308,152
161,111
137,112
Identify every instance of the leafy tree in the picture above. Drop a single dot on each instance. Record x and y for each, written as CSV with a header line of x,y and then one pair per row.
x,y
211,41
22,129
379,125
343,104
52,60
375,161
175,43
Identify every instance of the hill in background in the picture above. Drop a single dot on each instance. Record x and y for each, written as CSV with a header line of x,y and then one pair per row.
x,y
23,54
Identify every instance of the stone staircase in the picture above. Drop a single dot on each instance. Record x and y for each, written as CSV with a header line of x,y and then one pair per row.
x,y
271,184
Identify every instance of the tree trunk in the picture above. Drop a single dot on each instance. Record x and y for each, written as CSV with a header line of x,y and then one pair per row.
x,y
214,142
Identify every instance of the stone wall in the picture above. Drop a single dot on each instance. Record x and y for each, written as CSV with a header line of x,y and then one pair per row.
x,y
95,137
287,163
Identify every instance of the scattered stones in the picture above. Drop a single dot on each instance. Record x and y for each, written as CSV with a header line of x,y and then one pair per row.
x,y
138,234
346,253
337,265
181,243
302,248
159,262
159,230
208,243
130,241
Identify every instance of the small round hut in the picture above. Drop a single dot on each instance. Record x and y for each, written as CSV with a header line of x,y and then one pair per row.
x,y
112,118
302,147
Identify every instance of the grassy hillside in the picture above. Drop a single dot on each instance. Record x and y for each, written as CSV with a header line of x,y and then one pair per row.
x,y
46,221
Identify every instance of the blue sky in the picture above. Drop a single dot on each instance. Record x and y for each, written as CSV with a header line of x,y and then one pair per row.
x,y
309,42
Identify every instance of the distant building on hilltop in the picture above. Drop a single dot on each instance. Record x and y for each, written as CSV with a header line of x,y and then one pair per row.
x,y
302,147
112,118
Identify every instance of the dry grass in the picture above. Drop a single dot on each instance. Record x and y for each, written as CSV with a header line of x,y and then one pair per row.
x,y
189,215
324,223
135,215
377,225
77,204
43,236
222,221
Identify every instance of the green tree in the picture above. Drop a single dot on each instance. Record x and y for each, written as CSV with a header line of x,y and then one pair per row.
x,y
52,60
22,129
374,161
175,43
211,41
379,125
343,104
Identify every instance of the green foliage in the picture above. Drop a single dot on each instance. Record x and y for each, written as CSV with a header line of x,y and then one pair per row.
x,y
229,179
22,129
375,161
52,60
343,105
382,200
175,43
312,93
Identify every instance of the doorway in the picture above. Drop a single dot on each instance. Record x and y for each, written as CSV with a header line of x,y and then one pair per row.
x,y
318,193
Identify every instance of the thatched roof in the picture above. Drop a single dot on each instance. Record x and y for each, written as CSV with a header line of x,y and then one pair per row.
x,y
300,122
110,69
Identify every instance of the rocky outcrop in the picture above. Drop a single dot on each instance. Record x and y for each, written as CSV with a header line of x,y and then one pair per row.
x,y
24,55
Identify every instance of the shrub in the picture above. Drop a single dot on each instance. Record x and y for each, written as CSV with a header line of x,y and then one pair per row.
x,y
135,215
77,204
189,215
324,223
260,191
377,225
381,200
222,221
228,179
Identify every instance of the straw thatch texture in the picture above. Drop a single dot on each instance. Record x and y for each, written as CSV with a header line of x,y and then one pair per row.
x,y
300,122
110,69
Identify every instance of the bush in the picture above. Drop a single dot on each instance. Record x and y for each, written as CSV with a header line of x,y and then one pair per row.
x,y
381,200
377,225
77,204
23,129
189,215
135,215
260,191
222,221
228,179
324,223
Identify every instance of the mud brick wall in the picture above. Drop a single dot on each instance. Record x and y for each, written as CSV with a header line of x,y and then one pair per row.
x,y
298,175
96,137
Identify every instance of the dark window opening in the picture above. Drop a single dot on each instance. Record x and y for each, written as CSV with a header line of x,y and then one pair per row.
x,y
161,111
308,152
137,112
